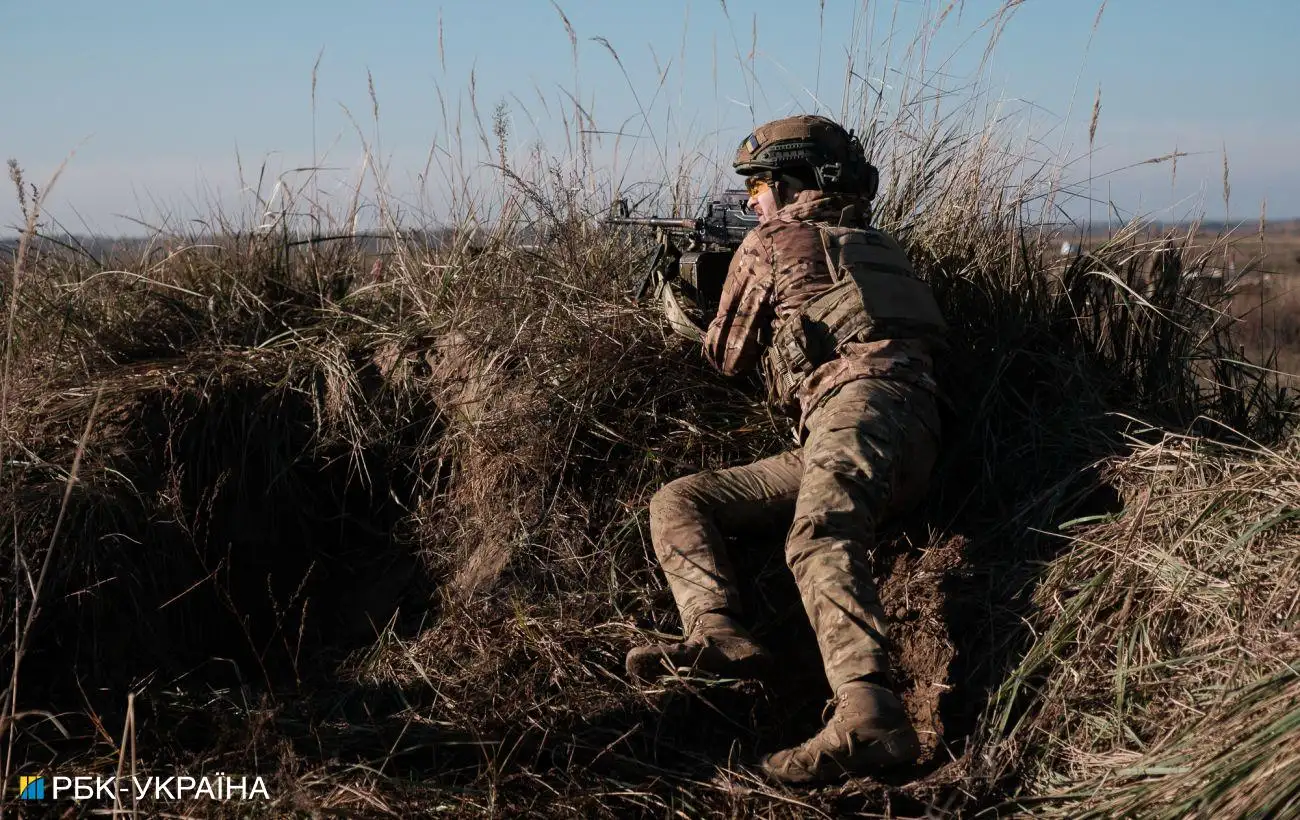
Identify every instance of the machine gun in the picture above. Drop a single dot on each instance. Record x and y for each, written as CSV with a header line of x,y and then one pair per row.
x,y
691,257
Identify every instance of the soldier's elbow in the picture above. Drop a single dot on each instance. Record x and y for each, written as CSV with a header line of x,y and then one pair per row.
x,y
735,368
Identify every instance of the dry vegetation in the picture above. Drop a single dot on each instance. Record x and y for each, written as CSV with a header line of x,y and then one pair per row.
x,y
1260,265
380,534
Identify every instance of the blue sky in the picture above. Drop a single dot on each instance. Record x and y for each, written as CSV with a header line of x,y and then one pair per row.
x,y
160,98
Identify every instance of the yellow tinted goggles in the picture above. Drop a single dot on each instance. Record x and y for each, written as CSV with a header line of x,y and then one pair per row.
x,y
755,185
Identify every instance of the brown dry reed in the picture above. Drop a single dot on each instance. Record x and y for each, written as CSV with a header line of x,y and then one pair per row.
x,y
368,515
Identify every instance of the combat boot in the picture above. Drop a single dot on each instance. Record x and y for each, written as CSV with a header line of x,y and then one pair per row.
x,y
717,646
869,731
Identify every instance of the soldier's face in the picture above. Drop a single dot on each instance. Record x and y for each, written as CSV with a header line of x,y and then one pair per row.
x,y
762,200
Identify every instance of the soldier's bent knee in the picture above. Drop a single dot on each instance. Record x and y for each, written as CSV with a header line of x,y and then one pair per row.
x,y
681,496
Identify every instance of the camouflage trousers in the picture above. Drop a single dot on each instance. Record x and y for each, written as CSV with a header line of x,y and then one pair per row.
x,y
868,454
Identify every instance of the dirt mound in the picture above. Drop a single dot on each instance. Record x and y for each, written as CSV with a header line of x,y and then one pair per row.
x,y
915,597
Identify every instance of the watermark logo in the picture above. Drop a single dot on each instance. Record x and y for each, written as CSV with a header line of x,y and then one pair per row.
x,y
31,787
174,788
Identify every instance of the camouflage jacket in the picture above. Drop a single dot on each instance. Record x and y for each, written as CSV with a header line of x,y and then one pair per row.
x,y
780,266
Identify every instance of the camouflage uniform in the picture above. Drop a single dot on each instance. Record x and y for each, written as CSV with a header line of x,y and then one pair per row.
x,y
843,330
869,429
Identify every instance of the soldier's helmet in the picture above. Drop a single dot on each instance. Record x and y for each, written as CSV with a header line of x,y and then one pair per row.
x,y
808,142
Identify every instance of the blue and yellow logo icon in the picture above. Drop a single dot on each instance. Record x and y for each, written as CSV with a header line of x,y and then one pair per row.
x,y
31,787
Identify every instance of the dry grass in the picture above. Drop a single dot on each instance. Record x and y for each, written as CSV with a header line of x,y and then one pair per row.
x,y
1167,679
380,534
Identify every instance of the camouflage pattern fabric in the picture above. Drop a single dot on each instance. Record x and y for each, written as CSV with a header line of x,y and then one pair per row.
x,y
777,268
868,454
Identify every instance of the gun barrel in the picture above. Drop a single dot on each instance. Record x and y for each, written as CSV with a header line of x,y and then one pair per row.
x,y
655,222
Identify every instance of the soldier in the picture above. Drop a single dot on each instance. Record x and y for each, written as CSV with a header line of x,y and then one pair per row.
x,y
844,332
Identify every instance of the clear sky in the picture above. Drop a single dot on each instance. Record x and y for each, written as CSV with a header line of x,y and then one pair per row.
x,y
159,99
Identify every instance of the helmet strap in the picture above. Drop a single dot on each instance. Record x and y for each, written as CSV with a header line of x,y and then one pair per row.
x,y
780,191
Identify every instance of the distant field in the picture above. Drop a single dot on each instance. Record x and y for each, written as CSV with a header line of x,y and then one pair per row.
x,y
1269,308
1264,273
1239,245
1282,247
1277,251
1267,292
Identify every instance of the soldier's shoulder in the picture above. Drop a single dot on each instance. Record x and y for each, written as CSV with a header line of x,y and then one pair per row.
x,y
769,232
755,247
755,240
785,224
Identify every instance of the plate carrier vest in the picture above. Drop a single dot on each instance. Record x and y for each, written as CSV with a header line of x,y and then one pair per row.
x,y
875,296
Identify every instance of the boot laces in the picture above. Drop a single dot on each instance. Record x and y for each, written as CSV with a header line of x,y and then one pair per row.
x,y
829,709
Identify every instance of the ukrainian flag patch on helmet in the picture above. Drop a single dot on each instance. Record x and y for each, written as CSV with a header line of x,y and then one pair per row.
x,y
751,143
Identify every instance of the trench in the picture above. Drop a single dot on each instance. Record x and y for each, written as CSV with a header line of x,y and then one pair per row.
x,y
239,549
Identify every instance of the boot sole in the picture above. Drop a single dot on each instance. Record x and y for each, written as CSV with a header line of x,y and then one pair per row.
x,y
900,747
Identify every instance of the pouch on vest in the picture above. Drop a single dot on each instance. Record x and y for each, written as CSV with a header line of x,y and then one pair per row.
x,y
876,295
787,361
